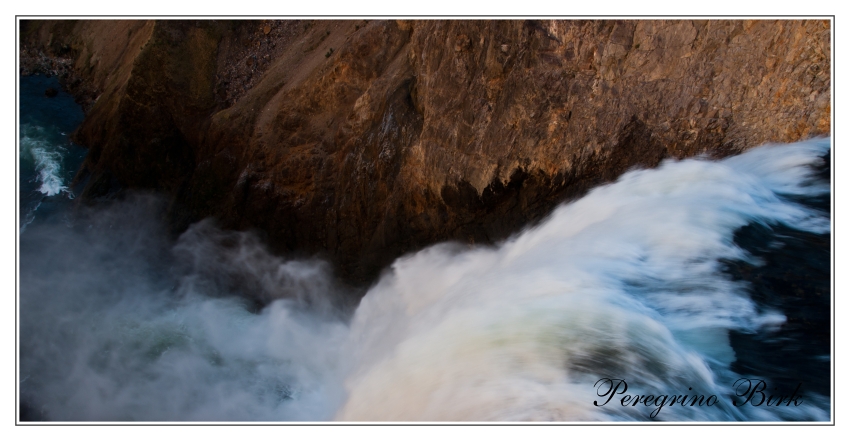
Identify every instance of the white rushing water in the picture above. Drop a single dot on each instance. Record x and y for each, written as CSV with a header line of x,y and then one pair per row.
x,y
624,283
46,157
41,159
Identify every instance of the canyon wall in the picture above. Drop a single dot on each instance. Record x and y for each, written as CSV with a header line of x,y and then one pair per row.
x,y
361,140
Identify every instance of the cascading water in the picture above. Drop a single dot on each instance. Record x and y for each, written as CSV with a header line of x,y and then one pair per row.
x,y
48,160
658,280
625,283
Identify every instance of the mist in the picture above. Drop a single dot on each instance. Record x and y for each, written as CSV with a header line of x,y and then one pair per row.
x,y
117,323
120,323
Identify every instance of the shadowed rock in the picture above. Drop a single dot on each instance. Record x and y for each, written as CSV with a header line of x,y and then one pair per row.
x,y
361,140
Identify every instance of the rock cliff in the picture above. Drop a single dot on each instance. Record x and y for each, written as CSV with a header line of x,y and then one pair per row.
x,y
361,140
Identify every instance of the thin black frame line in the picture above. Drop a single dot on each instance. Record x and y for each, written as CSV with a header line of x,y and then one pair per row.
x,y
349,424
832,188
17,215
833,413
481,17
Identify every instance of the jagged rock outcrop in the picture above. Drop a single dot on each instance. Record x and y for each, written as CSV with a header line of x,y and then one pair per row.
x,y
362,140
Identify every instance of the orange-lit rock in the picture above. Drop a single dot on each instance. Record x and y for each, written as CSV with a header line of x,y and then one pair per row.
x,y
362,140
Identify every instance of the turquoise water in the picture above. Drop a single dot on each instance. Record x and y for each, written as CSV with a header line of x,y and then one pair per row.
x,y
48,158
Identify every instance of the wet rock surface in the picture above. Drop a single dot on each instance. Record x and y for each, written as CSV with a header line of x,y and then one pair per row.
x,y
362,140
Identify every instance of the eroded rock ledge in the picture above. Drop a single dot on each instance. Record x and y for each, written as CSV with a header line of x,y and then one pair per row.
x,y
361,140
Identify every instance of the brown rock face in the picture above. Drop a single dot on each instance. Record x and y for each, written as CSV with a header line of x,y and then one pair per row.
x,y
362,140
